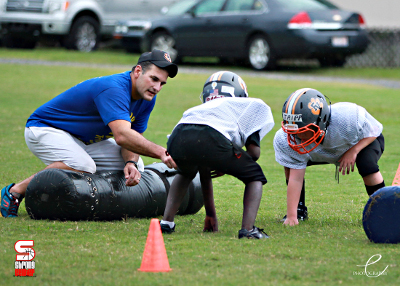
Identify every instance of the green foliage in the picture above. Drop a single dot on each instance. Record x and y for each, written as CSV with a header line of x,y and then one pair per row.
x,y
325,250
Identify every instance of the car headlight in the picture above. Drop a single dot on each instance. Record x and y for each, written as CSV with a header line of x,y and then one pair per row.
x,y
138,25
55,6
119,29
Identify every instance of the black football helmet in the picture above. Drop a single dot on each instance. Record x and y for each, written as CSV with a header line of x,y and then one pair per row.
x,y
223,84
305,110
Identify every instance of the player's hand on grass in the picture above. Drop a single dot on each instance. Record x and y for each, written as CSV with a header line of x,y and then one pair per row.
x,y
291,221
210,224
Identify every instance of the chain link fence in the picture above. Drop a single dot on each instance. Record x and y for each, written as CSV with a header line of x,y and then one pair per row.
x,y
383,50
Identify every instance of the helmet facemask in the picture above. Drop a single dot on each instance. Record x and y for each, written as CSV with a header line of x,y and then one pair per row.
x,y
293,131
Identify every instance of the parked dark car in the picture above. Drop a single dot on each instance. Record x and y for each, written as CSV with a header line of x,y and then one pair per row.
x,y
259,32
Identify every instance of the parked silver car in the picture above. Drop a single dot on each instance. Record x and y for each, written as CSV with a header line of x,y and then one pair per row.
x,y
78,24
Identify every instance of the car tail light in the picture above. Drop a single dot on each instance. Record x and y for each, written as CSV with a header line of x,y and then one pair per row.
x,y
361,21
300,21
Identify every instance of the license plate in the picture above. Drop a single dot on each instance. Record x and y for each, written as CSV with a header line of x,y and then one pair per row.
x,y
340,41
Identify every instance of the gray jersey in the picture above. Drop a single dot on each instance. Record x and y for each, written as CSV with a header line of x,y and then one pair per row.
x,y
234,117
349,124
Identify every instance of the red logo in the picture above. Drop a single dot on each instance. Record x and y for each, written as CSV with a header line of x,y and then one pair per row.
x,y
6,203
24,264
210,97
167,57
238,155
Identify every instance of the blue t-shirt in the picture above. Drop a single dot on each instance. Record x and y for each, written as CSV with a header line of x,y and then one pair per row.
x,y
85,110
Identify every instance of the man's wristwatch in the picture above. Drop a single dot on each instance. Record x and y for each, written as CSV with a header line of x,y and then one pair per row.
x,y
133,162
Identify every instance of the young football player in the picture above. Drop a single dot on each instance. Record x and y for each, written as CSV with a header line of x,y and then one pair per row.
x,y
316,132
209,140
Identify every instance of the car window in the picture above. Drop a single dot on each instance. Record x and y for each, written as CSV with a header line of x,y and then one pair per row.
x,y
243,5
295,5
209,6
181,7
258,5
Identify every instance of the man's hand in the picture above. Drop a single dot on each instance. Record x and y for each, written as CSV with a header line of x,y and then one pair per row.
x,y
132,175
167,160
210,224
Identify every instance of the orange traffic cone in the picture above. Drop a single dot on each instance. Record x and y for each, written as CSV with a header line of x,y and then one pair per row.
x,y
396,180
155,256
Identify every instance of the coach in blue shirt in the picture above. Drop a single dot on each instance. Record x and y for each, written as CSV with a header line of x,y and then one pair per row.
x,y
97,125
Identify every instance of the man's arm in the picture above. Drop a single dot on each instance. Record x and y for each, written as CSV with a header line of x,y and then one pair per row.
x,y
296,177
210,222
135,142
348,159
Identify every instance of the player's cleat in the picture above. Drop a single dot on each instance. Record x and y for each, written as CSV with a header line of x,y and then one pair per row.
x,y
256,233
302,213
10,202
165,228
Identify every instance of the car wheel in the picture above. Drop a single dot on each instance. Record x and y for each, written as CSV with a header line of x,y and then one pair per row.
x,y
332,61
84,35
165,42
17,43
260,54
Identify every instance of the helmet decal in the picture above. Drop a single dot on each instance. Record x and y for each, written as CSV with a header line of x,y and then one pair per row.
x,y
213,95
214,92
315,106
293,117
228,89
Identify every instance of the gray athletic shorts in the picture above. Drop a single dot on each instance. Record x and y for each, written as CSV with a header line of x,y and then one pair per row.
x,y
54,145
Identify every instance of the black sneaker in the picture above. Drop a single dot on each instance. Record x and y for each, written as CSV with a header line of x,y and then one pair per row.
x,y
302,213
256,232
165,228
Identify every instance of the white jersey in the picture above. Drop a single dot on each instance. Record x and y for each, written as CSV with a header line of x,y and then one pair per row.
x,y
349,124
234,117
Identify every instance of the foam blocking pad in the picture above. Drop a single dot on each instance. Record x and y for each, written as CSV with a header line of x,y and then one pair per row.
x,y
381,216
65,195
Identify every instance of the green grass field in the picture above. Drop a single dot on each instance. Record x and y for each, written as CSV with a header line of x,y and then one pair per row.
x,y
325,250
